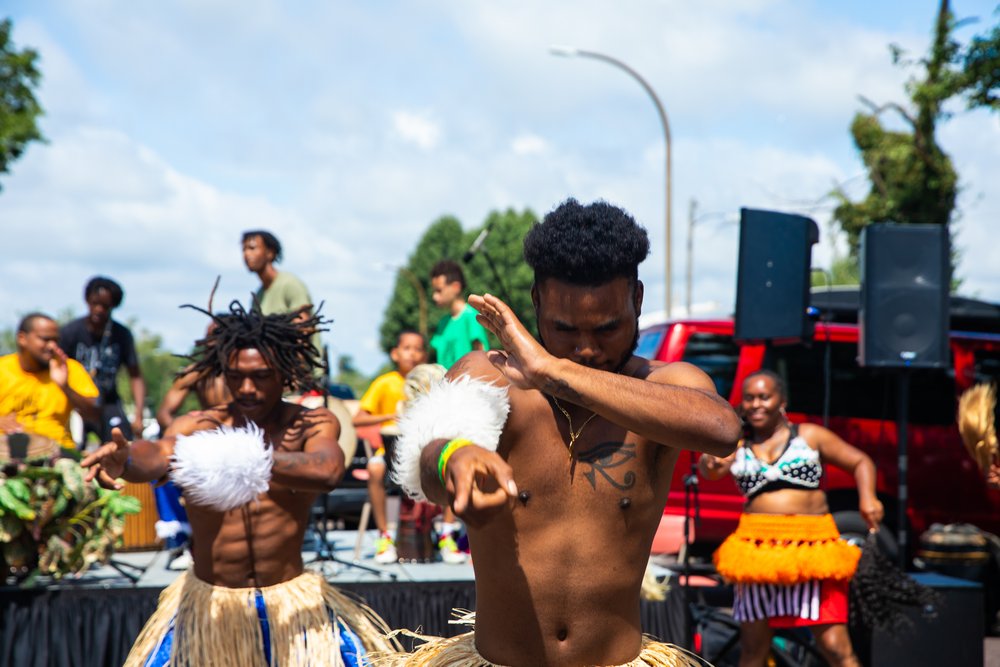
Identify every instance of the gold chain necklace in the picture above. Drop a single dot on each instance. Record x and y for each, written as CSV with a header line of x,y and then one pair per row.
x,y
572,436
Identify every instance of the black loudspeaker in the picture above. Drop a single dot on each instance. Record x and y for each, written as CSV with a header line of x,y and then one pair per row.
x,y
950,632
905,284
772,279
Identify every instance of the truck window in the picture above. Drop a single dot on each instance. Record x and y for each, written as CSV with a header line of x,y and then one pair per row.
x,y
649,343
865,393
717,355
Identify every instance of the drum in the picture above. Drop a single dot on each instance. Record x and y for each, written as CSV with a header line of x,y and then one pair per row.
x,y
140,529
26,446
414,542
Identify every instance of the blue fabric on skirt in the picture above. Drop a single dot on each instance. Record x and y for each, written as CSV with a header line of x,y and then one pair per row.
x,y
351,649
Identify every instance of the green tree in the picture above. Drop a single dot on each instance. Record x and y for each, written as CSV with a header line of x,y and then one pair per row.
x,y
159,368
19,110
912,179
445,239
351,376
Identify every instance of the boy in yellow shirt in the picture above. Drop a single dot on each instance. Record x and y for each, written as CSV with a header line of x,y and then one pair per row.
x,y
379,405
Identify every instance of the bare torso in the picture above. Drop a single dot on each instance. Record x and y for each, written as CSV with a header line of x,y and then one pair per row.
x,y
259,544
558,577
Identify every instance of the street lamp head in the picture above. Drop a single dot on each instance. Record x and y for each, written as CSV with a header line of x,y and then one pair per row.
x,y
565,51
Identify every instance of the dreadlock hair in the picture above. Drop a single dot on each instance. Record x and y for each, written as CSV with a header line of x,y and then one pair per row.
x,y
283,339
586,245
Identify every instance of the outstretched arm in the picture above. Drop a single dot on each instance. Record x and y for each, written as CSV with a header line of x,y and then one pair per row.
x,y
676,404
138,461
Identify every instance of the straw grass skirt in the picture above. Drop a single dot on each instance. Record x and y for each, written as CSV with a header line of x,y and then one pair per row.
x,y
461,651
198,624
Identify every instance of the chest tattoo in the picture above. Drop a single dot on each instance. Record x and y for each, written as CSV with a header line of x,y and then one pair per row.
x,y
606,460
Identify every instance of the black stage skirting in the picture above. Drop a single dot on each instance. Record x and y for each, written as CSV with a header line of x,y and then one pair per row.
x,y
95,627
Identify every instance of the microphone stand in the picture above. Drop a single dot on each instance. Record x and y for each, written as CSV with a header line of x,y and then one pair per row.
x,y
496,274
692,517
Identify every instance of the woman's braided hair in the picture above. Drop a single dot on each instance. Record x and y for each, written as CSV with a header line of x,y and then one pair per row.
x,y
283,339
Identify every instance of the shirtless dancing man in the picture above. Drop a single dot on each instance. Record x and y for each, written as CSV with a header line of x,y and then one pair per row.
x,y
558,454
250,470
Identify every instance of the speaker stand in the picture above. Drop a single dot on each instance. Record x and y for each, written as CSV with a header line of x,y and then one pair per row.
x,y
902,426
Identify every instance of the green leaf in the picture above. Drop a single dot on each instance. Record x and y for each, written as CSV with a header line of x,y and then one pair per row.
x,y
72,477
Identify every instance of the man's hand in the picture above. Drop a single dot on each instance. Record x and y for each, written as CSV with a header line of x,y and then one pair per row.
x,y
107,464
993,476
137,426
58,368
479,484
872,512
522,356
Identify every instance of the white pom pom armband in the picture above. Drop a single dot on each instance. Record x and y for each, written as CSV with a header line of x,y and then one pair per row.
x,y
461,408
223,468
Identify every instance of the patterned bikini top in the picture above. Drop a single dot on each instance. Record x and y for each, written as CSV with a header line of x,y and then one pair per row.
x,y
798,467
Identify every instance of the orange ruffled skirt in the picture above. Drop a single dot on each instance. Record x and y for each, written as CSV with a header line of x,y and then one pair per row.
x,y
786,549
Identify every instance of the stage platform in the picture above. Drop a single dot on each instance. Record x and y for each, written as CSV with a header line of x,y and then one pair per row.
x,y
91,621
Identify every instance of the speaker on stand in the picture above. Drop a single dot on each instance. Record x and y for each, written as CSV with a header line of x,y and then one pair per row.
x,y
772,277
905,285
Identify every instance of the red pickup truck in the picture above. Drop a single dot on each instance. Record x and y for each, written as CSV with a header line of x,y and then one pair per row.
x,y
944,483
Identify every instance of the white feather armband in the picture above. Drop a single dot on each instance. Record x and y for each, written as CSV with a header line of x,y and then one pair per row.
x,y
223,468
462,408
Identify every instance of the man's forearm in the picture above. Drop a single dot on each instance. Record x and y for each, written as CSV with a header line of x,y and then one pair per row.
x,y
664,413
308,471
146,463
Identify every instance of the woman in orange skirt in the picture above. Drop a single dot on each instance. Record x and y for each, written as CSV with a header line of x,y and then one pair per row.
x,y
786,559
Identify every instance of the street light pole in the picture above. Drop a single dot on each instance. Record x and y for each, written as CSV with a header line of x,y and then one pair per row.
x,y
572,52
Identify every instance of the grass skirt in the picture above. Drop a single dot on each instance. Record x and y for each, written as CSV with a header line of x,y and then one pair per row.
x,y
786,549
219,626
461,651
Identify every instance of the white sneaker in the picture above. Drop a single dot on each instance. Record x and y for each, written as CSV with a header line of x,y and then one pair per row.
x,y
385,551
449,550
182,562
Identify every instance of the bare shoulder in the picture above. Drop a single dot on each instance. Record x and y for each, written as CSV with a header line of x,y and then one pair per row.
x,y
199,420
677,373
477,365
815,435
318,421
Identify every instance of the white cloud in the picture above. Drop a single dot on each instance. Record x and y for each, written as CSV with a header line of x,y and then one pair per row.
x,y
416,129
347,128
529,144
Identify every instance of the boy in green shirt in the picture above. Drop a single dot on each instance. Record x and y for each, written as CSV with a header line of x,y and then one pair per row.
x,y
458,333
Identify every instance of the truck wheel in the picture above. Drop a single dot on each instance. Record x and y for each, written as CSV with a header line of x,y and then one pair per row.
x,y
854,529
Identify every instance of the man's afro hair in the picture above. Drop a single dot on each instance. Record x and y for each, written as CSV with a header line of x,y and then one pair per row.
x,y
586,245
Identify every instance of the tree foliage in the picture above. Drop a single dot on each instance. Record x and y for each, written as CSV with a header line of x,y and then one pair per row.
x,y
912,179
159,368
19,110
445,239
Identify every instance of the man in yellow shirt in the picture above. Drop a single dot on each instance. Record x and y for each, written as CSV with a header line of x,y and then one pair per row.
x,y
39,385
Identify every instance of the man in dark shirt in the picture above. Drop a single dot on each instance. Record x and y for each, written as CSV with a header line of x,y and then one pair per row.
x,y
103,346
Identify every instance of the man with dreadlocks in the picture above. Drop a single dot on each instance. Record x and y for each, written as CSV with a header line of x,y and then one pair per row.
x,y
558,454
250,471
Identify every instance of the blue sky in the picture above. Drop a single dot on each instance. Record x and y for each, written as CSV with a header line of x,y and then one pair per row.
x,y
346,128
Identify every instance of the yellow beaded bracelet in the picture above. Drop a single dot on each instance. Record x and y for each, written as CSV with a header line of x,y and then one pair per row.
x,y
447,451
